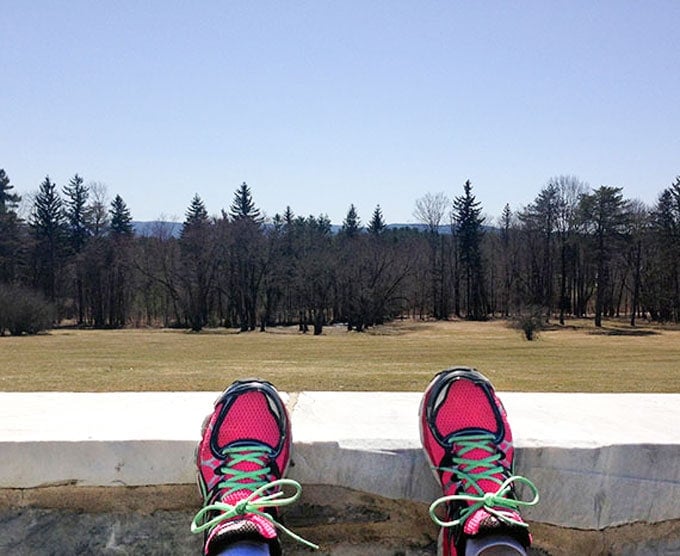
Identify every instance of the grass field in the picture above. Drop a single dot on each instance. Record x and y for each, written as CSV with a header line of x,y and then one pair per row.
x,y
398,357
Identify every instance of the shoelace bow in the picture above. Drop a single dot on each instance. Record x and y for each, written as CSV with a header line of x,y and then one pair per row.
x,y
254,481
492,502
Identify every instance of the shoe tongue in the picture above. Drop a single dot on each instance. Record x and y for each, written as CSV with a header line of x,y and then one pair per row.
x,y
247,471
255,464
253,460
486,485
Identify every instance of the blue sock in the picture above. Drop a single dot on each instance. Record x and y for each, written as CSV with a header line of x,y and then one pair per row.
x,y
246,548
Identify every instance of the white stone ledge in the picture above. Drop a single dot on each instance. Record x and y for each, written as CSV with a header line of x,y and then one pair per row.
x,y
599,460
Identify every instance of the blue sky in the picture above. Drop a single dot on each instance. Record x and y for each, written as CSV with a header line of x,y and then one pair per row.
x,y
319,104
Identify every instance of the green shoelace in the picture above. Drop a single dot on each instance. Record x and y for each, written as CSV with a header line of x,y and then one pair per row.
x,y
492,502
256,501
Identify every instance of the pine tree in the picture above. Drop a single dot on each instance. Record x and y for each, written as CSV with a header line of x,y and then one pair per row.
x,y
79,229
196,216
248,254
506,258
377,224
323,225
468,228
351,225
121,219
278,222
288,216
243,206
48,210
606,215
10,243
663,292
541,217
119,279
47,224
199,263
8,201
76,212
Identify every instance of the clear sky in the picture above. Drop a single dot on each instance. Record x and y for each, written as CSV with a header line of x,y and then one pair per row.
x,y
319,104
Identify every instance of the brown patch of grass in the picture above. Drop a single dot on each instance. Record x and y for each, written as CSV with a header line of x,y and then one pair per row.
x,y
401,356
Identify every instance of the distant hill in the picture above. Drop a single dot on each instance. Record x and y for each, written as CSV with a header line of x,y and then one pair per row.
x,y
420,227
443,230
156,228
174,229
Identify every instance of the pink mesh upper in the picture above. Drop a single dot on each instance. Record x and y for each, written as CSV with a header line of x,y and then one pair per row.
x,y
250,418
465,406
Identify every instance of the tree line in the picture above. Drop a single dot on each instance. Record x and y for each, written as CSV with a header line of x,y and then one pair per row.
x,y
572,252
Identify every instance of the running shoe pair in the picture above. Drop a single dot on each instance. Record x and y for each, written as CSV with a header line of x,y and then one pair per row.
x,y
245,449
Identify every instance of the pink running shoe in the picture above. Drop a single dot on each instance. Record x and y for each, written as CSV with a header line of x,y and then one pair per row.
x,y
242,458
468,441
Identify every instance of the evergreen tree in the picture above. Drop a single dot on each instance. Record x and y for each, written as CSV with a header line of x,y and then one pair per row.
x,y
47,218
468,228
196,216
47,224
121,219
541,218
322,225
76,212
351,225
278,222
120,278
79,229
288,217
606,215
377,224
665,213
247,257
506,258
8,201
662,290
349,273
199,263
243,207
10,242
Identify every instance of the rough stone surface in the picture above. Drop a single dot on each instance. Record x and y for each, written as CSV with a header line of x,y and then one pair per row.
x,y
126,521
96,522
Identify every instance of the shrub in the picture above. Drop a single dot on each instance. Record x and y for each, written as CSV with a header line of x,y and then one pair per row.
x,y
531,321
24,311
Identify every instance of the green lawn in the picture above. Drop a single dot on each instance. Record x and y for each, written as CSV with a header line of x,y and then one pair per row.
x,y
398,357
